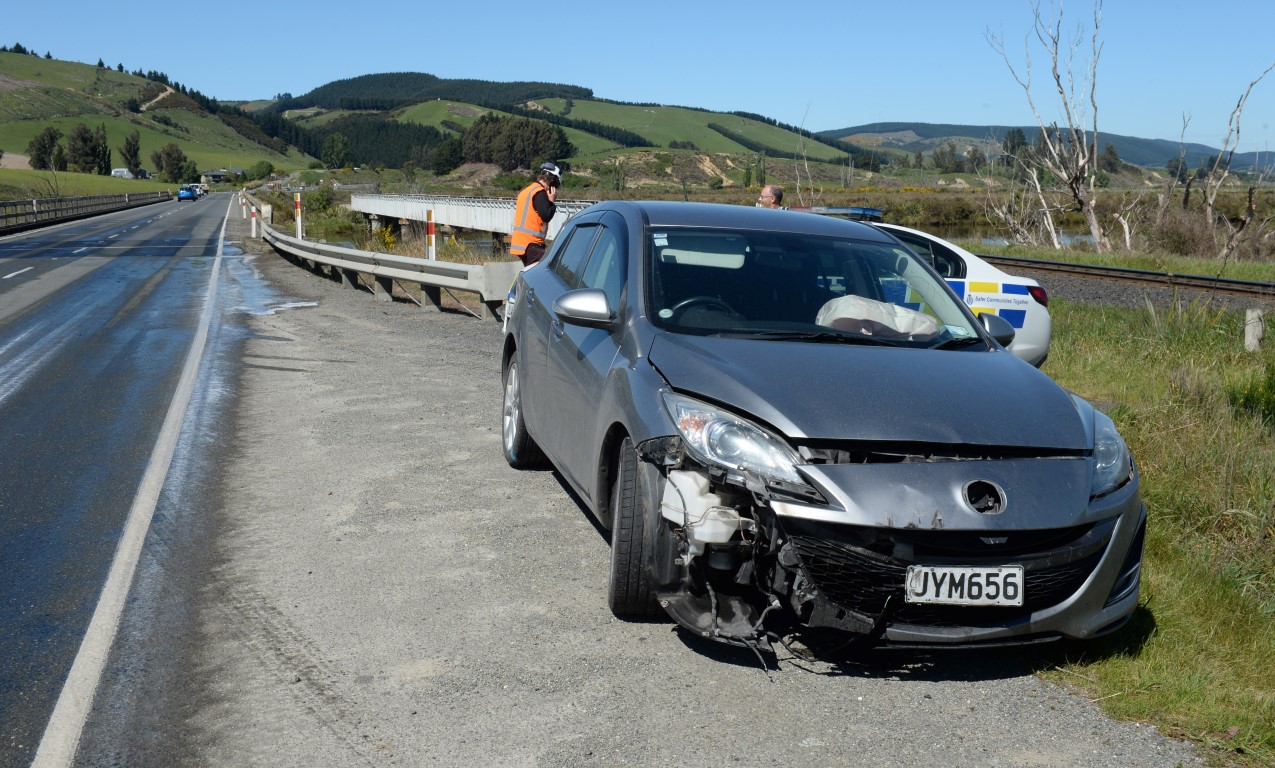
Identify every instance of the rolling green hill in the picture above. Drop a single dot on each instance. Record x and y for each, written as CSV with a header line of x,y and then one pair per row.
x,y
37,92
663,125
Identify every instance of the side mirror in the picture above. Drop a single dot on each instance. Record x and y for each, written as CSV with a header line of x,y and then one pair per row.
x,y
998,327
584,306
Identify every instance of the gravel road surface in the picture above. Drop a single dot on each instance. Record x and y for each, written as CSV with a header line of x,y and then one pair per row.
x,y
379,588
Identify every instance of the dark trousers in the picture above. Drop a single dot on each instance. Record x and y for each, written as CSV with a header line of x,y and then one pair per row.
x,y
534,253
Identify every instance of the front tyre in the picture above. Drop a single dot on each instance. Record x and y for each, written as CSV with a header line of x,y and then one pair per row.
x,y
520,450
631,588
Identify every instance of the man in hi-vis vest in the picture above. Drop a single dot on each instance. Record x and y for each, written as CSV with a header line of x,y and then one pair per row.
x,y
535,207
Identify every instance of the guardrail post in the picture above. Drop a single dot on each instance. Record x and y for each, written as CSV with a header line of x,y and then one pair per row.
x,y
1254,329
431,297
349,278
383,288
497,278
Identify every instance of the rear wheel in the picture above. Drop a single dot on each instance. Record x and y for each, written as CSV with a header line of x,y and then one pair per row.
x,y
520,450
634,535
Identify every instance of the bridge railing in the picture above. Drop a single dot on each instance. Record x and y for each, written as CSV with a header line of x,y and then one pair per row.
x,y
485,214
18,215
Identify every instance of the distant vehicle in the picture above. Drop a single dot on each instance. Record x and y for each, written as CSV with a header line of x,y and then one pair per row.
x,y
986,289
122,173
187,192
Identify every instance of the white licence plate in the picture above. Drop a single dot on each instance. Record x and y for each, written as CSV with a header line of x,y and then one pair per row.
x,y
964,585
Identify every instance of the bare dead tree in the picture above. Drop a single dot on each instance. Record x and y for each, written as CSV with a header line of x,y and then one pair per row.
x,y
45,187
804,165
1067,152
1233,234
1165,198
1026,213
1246,228
1127,217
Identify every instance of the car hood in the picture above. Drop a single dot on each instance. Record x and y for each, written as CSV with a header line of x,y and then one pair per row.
x,y
852,392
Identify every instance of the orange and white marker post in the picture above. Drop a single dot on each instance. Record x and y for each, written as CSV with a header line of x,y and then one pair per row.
x,y
429,235
243,207
254,221
297,196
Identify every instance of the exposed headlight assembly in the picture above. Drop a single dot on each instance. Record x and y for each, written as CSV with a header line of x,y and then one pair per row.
x,y
1112,466
719,437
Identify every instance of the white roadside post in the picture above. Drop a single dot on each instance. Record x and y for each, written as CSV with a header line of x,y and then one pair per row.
x,y
254,221
1254,329
429,235
297,196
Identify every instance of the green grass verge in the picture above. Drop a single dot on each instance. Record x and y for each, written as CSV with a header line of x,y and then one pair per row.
x,y
19,184
1199,658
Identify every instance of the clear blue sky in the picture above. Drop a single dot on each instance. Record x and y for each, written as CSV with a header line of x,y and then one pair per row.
x,y
822,64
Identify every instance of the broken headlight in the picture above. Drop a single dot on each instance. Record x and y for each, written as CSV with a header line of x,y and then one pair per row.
x,y
719,437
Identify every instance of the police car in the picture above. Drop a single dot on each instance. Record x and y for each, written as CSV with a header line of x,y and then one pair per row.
x,y
1019,300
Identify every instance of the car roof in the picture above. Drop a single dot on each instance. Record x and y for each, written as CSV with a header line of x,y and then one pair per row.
x,y
666,213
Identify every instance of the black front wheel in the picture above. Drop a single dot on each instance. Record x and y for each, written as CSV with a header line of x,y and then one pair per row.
x,y
635,534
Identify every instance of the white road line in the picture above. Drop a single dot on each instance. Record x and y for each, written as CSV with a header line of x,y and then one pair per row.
x,y
14,274
77,250
62,735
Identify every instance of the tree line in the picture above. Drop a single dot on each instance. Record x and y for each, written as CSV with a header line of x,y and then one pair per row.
x,y
87,150
394,89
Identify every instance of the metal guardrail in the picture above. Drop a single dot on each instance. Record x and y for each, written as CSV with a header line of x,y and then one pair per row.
x,y
19,215
490,280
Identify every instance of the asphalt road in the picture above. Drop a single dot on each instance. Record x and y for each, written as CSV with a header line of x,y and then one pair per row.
x,y
356,577
96,318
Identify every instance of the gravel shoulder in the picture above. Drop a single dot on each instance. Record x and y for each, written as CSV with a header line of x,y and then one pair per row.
x,y
385,590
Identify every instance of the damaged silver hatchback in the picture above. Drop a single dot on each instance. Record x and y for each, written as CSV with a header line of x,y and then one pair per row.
x,y
792,427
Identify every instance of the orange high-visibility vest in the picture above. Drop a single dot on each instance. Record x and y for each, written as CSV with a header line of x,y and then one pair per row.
x,y
528,226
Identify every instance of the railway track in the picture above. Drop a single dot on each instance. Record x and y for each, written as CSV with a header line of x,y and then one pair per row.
x,y
1219,285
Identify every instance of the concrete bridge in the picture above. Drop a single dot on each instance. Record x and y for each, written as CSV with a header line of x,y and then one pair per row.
x,y
484,214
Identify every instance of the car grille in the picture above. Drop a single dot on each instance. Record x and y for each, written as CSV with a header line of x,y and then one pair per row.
x,y
859,569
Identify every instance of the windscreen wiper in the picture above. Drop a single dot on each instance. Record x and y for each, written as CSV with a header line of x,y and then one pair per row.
x,y
819,337
958,342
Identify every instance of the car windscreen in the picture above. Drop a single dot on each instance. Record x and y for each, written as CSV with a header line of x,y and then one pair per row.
x,y
791,286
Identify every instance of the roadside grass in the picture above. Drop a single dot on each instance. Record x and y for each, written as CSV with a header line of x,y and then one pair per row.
x,y
1199,658
21,183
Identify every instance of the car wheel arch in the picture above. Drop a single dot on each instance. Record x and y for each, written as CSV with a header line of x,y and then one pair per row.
x,y
608,455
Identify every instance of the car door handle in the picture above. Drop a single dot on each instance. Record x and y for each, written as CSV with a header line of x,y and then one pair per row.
x,y
556,329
